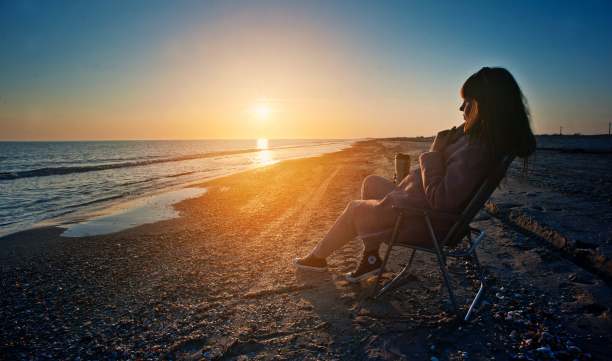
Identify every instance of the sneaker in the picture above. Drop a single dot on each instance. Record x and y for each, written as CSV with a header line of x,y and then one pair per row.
x,y
311,263
369,266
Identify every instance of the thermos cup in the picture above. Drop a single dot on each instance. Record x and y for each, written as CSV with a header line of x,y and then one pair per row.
x,y
402,167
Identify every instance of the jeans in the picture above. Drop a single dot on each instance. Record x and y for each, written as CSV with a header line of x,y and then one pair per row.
x,y
343,230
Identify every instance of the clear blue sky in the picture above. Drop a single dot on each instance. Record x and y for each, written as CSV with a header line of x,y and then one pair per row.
x,y
326,69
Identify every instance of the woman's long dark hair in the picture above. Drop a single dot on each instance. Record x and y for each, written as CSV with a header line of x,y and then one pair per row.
x,y
499,116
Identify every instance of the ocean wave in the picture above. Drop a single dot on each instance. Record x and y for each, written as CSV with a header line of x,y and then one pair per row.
x,y
44,172
106,199
51,171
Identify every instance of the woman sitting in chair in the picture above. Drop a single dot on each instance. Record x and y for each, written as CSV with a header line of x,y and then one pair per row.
x,y
497,124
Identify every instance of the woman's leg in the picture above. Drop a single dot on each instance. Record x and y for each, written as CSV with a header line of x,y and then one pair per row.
x,y
343,230
376,187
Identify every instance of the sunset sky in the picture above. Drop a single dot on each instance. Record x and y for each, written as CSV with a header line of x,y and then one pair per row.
x,y
89,70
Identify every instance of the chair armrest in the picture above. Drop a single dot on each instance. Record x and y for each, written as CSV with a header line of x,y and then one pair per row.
x,y
418,212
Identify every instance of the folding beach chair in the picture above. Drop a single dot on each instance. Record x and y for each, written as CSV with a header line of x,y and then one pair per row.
x,y
460,231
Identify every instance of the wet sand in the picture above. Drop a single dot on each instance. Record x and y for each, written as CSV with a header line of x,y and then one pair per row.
x,y
217,283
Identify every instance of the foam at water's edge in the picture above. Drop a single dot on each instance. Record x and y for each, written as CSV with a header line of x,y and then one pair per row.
x,y
148,210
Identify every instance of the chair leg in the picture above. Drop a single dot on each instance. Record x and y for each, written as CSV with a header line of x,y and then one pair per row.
x,y
382,269
443,268
480,291
399,275
448,284
384,263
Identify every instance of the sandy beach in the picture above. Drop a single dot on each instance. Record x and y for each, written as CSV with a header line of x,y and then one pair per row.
x,y
218,282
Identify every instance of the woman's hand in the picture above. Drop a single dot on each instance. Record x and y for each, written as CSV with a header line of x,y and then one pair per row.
x,y
442,139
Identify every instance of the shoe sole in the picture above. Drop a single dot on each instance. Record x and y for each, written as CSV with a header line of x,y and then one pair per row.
x,y
309,268
362,277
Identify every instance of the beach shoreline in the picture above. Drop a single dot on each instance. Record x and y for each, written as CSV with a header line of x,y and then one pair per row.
x,y
217,282
44,188
41,236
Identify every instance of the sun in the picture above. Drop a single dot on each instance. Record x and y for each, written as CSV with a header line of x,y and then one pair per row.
x,y
262,112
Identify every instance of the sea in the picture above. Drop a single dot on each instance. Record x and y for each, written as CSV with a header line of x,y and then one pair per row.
x,y
43,181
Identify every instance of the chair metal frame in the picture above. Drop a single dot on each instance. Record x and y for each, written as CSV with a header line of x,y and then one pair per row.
x,y
461,231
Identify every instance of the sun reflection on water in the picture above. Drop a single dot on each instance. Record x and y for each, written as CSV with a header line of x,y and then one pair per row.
x,y
264,156
262,144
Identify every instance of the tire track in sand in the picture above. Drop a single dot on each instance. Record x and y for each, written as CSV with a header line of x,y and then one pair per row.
x,y
284,233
